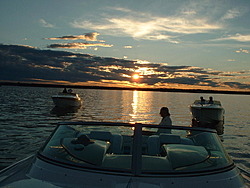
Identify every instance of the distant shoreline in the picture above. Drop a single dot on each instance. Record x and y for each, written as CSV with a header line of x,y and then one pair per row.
x,y
118,88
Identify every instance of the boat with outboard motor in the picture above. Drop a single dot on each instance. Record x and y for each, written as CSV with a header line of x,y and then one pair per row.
x,y
67,99
208,113
105,154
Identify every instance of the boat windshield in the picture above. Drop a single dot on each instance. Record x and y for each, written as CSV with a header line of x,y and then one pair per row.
x,y
135,148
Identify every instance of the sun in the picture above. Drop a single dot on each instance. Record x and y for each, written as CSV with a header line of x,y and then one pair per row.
x,y
136,76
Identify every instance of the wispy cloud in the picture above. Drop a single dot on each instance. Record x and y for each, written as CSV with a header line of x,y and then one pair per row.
x,y
238,37
234,13
242,51
121,9
149,27
128,47
45,24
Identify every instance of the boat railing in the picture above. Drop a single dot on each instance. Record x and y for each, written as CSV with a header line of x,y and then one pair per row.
x,y
179,127
61,93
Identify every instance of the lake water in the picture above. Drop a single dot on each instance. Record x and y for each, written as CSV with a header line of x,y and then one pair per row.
x,y
28,116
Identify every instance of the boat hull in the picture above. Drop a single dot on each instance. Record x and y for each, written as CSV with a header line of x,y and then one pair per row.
x,y
207,113
61,101
34,172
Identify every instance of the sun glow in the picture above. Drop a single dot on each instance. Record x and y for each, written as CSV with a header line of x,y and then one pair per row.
x,y
136,76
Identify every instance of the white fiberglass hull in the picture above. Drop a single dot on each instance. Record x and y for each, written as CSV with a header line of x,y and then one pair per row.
x,y
66,101
34,172
207,113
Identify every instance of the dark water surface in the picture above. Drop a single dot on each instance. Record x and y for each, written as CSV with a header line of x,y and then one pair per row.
x,y
28,116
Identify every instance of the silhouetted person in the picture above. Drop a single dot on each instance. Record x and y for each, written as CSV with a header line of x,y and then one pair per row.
x,y
166,120
65,90
210,100
202,100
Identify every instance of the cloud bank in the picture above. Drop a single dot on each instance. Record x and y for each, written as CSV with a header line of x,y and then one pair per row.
x,y
28,64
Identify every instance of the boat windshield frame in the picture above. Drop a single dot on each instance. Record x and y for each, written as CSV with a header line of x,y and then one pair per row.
x,y
136,156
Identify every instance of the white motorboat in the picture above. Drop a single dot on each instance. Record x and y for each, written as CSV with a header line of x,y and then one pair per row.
x,y
122,155
208,113
67,99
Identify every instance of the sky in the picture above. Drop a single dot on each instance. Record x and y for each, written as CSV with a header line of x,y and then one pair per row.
x,y
185,44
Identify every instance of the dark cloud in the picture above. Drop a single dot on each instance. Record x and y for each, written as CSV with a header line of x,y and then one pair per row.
x,y
88,37
25,63
92,36
77,45
236,85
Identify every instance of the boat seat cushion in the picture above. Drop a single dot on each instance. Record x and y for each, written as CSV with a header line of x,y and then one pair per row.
x,y
187,141
100,135
170,139
153,145
181,156
149,163
115,140
116,144
156,141
174,139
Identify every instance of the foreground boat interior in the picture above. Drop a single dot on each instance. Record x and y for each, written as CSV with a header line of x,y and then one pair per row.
x,y
109,148
103,154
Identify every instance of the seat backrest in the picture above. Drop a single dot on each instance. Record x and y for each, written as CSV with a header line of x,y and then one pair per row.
x,y
127,144
187,141
169,139
115,140
116,144
156,141
100,135
174,139
153,145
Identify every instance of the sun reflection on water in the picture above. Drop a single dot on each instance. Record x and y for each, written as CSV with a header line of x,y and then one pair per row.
x,y
134,105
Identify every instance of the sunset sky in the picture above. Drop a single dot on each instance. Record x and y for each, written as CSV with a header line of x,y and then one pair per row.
x,y
196,44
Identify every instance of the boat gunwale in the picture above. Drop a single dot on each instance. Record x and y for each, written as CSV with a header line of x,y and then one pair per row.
x,y
67,98
122,172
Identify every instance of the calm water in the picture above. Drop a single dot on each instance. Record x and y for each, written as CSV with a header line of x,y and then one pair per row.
x,y
28,116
